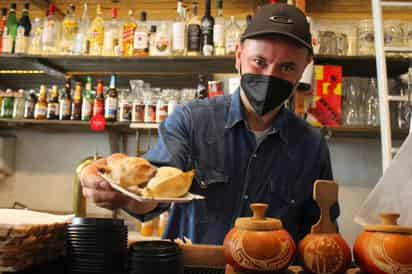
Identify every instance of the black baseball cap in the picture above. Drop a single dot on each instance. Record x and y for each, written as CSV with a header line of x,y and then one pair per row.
x,y
281,19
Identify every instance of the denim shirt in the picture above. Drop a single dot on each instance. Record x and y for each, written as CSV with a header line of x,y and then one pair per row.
x,y
232,171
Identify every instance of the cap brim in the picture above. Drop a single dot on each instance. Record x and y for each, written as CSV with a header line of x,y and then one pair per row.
x,y
272,32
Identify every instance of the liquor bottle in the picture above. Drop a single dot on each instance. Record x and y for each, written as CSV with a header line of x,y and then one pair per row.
x,y
97,33
219,31
18,106
110,104
152,36
98,105
10,31
53,104
233,33
193,33
70,27
2,26
207,31
7,105
30,104
35,44
201,90
111,36
23,31
51,32
40,109
129,28
178,32
81,43
65,102
77,103
162,41
141,37
87,103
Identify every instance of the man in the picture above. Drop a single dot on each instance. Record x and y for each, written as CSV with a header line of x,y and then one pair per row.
x,y
246,147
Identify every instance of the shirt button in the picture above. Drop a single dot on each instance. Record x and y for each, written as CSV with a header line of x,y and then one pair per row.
x,y
292,201
246,197
203,184
254,156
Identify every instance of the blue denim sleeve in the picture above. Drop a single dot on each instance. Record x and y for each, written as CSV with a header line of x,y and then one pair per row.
x,y
173,145
171,149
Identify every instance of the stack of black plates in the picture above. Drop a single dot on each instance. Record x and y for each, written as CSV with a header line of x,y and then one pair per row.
x,y
97,245
156,257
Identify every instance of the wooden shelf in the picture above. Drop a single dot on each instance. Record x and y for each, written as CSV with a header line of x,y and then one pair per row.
x,y
54,126
52,69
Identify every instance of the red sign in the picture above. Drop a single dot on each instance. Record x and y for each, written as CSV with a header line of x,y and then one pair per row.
x,y
98,122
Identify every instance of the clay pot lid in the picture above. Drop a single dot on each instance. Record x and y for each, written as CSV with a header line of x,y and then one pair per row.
x,y
258,221
389,224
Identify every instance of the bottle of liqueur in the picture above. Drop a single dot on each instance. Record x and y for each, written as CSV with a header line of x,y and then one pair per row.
x,y
141,37
2,26
70,27
128,34
111,45
10,31
233,33
51,32
30,104
219,31
207,24
110,104
77,103
98,105
87,103
82,42
97,33
193,33
66,101
23,31
40,109
53,104
179,32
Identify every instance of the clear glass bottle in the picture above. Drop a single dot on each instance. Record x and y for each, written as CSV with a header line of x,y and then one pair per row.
x,y
207,24
35,44
97,33
194,33
111,36
81,44
138,102
162,41
219,31
366,38
70,27
179,32
51,32
129,28
352,116
149,107
18,107
233,33
10,31
152,36
161,106
172,101
23,31
125,106
141,37
372,104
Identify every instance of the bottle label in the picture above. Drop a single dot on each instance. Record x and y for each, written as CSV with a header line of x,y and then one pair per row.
x,y
108,44
49,32
28,110
207,33
52,110
150,113
7,42
128,33
65,109
39,111
178,41
141,40
21,42
138,112
86,110
219,34
162,43
110,108
98,107
194,38
125,111
161,112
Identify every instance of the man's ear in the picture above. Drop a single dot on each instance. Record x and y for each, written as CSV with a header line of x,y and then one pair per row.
x,y
237,55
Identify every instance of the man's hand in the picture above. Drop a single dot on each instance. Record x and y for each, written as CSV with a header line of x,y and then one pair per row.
x,y
103,195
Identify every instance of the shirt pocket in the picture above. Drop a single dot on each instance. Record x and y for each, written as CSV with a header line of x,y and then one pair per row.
x,y
212,184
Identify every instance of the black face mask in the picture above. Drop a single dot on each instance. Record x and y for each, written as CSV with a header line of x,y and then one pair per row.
x,y
264,92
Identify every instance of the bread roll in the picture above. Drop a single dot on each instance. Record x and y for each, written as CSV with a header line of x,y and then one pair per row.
x,y
130,171
169,182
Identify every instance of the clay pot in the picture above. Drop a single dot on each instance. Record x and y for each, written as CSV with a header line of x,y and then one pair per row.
x,y
325,250
258,244
325,253
385,248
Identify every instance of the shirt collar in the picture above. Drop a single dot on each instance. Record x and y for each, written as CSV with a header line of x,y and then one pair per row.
x,y
236,115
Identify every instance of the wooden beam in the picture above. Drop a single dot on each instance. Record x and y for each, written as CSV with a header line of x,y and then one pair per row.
x,y
44,5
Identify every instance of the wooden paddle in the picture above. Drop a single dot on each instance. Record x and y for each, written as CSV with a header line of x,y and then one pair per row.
x,y
325,193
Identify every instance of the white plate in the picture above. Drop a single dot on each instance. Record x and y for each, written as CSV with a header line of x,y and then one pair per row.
x,y
185,199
